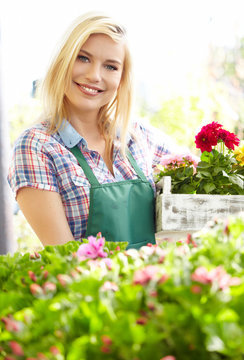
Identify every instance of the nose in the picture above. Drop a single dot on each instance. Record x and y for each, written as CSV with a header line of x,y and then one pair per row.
x,y
94,73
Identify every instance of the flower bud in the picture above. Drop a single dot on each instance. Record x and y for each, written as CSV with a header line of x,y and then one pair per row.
x,y
36,289
32,276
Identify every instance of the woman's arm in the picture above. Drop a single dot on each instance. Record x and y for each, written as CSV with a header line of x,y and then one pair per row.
x,y
45,213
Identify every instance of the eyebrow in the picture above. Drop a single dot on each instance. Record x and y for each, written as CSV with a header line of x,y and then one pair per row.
x,y
108,60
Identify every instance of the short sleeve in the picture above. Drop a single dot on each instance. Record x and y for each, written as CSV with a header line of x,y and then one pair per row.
x,y
31,165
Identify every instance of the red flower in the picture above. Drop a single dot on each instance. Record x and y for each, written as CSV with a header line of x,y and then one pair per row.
x,y
213,133
229,139
207,137
141,321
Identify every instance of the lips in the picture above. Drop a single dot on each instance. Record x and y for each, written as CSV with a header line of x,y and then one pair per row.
x,y
88,89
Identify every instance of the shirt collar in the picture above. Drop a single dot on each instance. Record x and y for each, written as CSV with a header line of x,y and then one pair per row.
x,y
69,135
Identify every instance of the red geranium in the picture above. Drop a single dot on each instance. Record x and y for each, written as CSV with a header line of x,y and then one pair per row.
x,y
229,139
207,137
213,133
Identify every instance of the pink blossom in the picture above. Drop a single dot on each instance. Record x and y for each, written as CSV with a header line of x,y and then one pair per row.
x,y
143,276
169,357
196,289
54,350
36,289
64,279
175,160
16,348
93,249
109,285
48,286
106,340
32,276
105,349
108,263
201,275
217,275
10,324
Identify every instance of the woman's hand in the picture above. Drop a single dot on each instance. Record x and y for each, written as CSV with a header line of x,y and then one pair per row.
x,y
45,213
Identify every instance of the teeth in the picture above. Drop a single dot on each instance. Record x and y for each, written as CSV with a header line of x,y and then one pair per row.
x,y
89,89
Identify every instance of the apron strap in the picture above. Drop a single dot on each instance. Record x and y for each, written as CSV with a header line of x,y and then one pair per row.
x,y
89,173
136,167
83,163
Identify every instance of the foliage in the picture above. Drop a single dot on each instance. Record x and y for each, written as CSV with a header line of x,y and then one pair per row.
x,y
179,116
218,172
176,299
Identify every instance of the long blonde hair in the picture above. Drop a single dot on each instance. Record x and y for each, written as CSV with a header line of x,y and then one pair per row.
x,y
114,116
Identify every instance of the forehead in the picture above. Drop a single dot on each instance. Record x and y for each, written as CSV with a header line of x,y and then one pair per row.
x,y
102,45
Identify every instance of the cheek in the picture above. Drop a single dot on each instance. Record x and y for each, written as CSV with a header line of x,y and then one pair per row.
x,y
115,83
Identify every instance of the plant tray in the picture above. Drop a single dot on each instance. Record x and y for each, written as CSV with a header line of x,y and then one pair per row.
x,y
191,212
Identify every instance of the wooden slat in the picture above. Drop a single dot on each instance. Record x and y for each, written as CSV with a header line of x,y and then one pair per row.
x,y
187,212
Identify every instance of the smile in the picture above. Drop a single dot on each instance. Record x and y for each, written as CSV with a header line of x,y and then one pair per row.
x,y
88,89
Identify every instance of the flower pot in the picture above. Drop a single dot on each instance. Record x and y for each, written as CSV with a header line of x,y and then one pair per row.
x,y
179,214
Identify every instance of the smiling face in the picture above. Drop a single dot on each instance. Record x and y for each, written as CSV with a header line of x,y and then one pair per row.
x,y
96,75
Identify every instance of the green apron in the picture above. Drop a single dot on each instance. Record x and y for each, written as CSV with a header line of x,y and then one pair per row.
x,y
121,211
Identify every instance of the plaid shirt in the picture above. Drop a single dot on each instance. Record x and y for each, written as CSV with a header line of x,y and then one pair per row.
x,y
43,161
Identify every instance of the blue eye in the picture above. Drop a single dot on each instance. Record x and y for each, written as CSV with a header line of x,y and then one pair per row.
x,y
83,58
111,67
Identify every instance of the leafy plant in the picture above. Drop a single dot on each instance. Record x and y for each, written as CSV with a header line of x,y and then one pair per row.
x,y
169,301
219,171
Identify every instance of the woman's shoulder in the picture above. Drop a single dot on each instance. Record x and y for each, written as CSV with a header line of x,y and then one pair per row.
x,y
36,134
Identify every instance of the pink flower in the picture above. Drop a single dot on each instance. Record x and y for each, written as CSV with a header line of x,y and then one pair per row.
x,y
32,275
201,275
217,275
93,249
10,324
36,289
143,276
196,289
175,160
49,287
109,285
105,349
108,263
16,348
54,350
106,340
169,357
64,279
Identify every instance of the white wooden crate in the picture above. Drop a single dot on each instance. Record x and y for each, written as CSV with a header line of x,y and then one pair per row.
x,y
182,213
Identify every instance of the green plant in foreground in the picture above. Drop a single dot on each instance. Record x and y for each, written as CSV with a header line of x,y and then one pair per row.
x,y
183,300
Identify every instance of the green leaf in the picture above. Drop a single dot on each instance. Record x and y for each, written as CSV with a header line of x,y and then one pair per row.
x,y
235,179
209,187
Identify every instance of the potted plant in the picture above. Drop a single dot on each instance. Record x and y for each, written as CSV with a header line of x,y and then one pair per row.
x,y
192,192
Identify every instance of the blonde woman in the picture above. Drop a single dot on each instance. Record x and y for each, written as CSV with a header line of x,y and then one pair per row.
x,y
84,169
